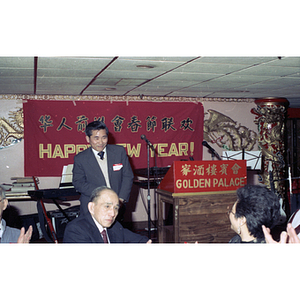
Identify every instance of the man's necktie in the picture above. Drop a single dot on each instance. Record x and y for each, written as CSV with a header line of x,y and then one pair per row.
x,y
104,236
101,154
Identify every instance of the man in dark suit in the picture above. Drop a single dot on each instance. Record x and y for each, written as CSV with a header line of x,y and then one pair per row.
x,y
101,165
99,225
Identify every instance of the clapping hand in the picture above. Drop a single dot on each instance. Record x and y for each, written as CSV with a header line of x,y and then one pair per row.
x,y
24,238
290,236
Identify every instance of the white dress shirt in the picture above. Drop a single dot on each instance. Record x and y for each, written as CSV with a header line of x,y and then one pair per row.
x,y
99,226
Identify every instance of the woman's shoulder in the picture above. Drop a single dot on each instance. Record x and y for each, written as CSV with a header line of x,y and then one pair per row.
x,y
236,239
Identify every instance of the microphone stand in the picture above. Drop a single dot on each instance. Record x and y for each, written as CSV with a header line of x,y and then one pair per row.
x,y
212,155
212,151
143,137
148,196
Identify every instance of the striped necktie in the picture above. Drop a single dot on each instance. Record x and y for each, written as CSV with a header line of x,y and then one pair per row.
x,y
104,236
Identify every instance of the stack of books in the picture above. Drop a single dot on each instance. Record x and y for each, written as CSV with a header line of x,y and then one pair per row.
x,y
22,184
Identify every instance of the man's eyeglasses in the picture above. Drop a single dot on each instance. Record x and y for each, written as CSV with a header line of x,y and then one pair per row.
x,y
230,212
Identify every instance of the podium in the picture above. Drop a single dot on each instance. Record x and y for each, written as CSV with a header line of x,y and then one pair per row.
x,y
199,193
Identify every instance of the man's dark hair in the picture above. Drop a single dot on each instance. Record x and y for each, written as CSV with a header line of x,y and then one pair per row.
x,y
97,192
96,125
259,206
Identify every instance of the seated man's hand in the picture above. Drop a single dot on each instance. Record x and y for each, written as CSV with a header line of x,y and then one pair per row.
x,y
24,238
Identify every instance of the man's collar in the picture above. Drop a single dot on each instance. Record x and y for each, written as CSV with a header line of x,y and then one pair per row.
x,y
99,226
96,152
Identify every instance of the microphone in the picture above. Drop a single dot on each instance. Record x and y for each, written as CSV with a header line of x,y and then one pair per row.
x,y
143,137
212,150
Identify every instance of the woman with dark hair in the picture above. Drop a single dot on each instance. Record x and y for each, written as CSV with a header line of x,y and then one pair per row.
x,y
256,206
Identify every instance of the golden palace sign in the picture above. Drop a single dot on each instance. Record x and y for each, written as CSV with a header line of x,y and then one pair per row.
x,y
205,176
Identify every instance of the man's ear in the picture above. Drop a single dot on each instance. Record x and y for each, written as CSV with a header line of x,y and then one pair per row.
x,y
87,139
91,206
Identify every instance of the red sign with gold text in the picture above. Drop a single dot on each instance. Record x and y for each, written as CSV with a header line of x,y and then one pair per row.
x,y
205,176
54,131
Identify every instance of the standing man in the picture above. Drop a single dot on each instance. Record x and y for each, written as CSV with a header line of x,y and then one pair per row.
x,y
101,165
100,225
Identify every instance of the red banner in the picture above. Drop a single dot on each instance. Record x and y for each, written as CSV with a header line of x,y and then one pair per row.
x,y
54,131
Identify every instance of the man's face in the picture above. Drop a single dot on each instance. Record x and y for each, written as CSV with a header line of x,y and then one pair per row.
x,y
98,140
3,205
105,209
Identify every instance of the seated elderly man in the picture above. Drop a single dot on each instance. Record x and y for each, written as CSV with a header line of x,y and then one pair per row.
x,y
9,234
99,225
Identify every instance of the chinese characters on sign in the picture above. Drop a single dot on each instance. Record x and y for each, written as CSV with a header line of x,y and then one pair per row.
x,y
133,125
205,176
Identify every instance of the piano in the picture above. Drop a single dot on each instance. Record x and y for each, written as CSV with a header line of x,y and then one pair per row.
x,y
64,194
55,195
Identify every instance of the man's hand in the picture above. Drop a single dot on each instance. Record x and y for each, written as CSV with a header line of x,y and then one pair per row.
x,y
149,242
24,238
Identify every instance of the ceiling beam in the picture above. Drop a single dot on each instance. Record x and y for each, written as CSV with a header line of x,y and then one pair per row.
x,y
95,77
35,74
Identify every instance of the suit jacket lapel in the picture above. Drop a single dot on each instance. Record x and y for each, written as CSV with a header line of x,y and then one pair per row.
x,y
95,233
110,154
111,234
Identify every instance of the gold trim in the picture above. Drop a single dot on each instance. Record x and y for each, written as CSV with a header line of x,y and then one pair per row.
x,y
25,97
195,194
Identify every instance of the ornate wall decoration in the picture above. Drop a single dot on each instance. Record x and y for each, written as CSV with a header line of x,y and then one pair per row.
x,y
270,119
12,130
227,133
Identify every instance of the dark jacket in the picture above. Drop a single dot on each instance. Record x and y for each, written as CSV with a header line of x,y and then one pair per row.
x,y
87,174
84,230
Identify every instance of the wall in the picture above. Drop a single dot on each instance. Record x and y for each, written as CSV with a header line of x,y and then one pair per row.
x,y
12,158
